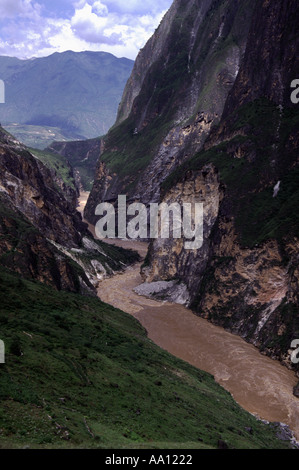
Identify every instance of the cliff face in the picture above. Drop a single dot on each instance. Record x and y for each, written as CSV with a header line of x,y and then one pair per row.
x,y
245,277
30,187
24,250
82,156
42,235
168,259
176,92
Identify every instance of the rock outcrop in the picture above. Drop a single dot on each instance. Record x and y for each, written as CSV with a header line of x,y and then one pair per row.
x,y
42,235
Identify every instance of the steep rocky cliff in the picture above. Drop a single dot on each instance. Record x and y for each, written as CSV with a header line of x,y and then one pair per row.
x,y
64,176
42,235
245,276
83,156
176,93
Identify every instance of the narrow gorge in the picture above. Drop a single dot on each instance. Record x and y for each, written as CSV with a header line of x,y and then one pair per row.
x,y
262,386
217,126
158,342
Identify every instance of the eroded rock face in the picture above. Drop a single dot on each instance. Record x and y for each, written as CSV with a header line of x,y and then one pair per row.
x,y
246,285
228,284
42,235
178,144
168,257
30,187
24,249
170,291
176,93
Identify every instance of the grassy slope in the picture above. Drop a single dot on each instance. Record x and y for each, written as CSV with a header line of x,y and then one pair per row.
x,y
80,373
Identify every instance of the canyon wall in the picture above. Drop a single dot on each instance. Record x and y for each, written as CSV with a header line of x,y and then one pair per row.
x,y
245,276
176,93
207,117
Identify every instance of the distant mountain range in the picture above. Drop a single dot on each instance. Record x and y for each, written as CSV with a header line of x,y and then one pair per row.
x,y
65,96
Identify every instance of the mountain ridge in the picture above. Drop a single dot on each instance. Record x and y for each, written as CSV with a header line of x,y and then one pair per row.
x,y
77,92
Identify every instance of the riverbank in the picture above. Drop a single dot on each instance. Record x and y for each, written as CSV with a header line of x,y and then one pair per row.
x,y
259,384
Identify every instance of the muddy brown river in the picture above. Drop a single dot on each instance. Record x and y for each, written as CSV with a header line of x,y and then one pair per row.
x,y
259,384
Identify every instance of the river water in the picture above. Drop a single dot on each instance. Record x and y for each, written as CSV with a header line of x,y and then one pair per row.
x,y
259,384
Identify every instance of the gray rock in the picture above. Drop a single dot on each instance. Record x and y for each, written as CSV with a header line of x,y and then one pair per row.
x,y
171,291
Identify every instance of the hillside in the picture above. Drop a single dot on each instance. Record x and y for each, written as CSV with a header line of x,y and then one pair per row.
x,y
70,95
80,373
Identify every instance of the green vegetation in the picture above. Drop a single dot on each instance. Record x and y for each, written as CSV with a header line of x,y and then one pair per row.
x,y
76,95
80,373
135,151
38,136
82,155
56,163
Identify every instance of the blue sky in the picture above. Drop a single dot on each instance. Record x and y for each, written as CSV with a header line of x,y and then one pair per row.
x,y
37,28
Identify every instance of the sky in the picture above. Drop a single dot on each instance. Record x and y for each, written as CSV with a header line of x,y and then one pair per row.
x,y
38,28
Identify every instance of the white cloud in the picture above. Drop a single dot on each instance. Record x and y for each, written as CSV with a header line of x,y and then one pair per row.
x,y
119,27
94,27
24,8
138,7
116,28
99,9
